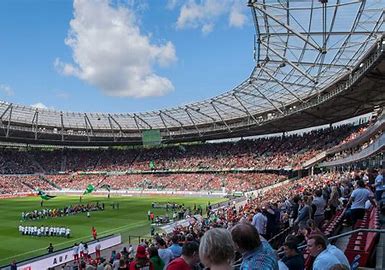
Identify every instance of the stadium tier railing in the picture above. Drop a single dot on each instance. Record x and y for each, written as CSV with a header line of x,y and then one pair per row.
x,y
371,131
372,149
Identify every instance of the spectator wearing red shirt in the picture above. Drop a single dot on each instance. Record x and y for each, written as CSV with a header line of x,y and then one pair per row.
x,y
189,257
141,262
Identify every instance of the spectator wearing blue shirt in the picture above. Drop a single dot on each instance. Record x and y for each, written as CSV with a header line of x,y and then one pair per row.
x,y
175,248
324,259
256,253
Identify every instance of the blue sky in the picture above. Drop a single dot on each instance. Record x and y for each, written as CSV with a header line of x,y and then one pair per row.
x,y
122,56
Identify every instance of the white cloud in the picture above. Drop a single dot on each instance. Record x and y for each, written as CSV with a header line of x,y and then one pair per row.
x,y
111,53
6,89
205,14
40,105
237,18
207,28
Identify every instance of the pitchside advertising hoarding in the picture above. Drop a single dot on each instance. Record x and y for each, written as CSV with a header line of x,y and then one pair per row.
x,y
66,255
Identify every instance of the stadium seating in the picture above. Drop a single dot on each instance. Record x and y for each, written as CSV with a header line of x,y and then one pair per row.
x,y
363,243
275,153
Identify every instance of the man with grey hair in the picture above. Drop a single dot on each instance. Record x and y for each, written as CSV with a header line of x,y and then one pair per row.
x,y
217,249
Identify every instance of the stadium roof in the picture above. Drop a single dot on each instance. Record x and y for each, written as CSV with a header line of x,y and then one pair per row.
x,y
303,50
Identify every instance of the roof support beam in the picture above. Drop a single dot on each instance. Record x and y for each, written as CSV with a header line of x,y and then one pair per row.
x,y
192,120
251,95
111,127
220,116
244,107
6,110
137,124
285,82
204,114
281,84
230,106
62,126
9,122
164,123
312,64
176,120
141,119
35,122
260,8
116,122
268,100
289,62
88,123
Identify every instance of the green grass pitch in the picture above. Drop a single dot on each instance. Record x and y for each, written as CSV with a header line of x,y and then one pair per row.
x,y
130,219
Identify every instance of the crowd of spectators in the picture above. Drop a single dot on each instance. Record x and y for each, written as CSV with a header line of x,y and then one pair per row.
x,y
276,152
11,184
231,182
357,148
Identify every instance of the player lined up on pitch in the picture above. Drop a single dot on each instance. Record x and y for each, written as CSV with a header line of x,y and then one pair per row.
x,y
60,212
45,231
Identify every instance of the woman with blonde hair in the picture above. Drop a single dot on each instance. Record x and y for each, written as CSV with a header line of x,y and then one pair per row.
x,y
217,249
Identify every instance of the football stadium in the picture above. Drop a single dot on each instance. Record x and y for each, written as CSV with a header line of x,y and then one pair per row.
x,y
283,171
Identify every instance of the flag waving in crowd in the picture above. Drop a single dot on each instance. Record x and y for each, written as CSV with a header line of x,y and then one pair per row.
x,y
89,189
44,195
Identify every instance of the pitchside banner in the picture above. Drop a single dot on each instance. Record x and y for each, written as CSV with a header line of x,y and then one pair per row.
x,y
65,255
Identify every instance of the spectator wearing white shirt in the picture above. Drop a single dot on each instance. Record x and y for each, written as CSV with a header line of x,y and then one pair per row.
x,y
259,222
324,260
358,199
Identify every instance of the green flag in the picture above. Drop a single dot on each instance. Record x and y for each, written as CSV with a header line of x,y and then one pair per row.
x,y
89,189
152,165
44,196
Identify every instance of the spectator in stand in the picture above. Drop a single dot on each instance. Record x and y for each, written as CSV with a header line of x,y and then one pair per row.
x,y
304,212
155,259
294,208
13,265
217,250
318,207
256,253
75,252
188,259
97,250
260,222
334,200
175,248
324,260
164,253
338,253
358,199
379,184
293,259
141,261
